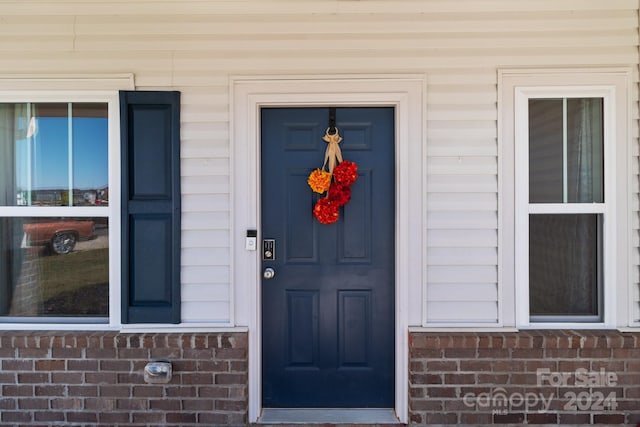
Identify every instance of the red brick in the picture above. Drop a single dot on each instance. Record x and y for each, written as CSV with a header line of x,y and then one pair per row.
x,y
147,391
416,418
165,353
524,379
230,405
230,379
238,366
50,365
475,418
574,418
508,366
49,390
17,390
197,378
475,365
608,419
180,417
416,379
493,353
416,392
238,392
626,353
100,404
82,365
165,404
49,416
114,391
7,352
187,365
595,353
561,353
458,405
100,353
132,404
545,418
530,353
214,419
114,417
632,393
423,353
67,353
511,418
571,365
425,405
179,391
15,416
100,377
33,353
82,417
460,353
441,418
149,418
82,390
115,365
441,365
7,403
67,377
197,405
17,365
74,404
534,365
493,379
460,379
213,392
442,392
133,353
204,354
33,378
230,353
33,403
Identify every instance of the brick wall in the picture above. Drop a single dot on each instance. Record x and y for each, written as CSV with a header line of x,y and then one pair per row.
x,y
536,377
96,378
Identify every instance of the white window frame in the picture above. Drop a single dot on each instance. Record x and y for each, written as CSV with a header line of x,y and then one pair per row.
x,y
516,87
13,89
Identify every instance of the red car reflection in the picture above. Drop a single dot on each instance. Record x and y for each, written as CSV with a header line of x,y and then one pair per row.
x,y
61,236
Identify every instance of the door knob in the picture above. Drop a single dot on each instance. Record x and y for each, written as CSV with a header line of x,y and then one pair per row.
x,y
268,273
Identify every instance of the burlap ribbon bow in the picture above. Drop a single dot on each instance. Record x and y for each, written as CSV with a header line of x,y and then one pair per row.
x,y
332,155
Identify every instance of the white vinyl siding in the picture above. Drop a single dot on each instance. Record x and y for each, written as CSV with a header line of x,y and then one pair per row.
x,y
195,46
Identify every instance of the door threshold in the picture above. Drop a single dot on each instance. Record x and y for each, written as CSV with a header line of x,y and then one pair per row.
x,y
328,416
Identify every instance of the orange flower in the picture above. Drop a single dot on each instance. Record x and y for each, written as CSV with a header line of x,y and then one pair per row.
x,y
319,181
326,211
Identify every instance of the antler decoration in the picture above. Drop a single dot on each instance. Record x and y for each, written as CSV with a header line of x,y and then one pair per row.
x,y
333,154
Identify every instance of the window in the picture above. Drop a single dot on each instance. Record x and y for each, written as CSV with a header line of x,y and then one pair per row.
x,y
565,192
566,165
55,211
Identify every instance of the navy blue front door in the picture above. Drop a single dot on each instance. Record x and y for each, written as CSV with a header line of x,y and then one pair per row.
x,y
328,312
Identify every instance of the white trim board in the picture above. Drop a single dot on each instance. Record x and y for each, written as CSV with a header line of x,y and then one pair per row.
x,y
404,92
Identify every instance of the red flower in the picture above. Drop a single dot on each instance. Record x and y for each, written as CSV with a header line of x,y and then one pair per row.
x,y
345,173
339,194
326,211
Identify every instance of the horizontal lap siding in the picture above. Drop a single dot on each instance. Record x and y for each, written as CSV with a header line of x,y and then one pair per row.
x,y
194,46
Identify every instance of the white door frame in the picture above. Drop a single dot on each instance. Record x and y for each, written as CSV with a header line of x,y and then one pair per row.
x,y
406,93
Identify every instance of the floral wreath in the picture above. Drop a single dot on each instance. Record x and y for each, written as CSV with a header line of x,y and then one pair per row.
x,y
336,182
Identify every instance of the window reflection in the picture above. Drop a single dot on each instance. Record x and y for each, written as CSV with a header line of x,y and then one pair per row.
x,y
54,267
54,154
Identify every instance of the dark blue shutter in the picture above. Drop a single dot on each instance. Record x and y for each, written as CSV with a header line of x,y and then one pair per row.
x,y
150,128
